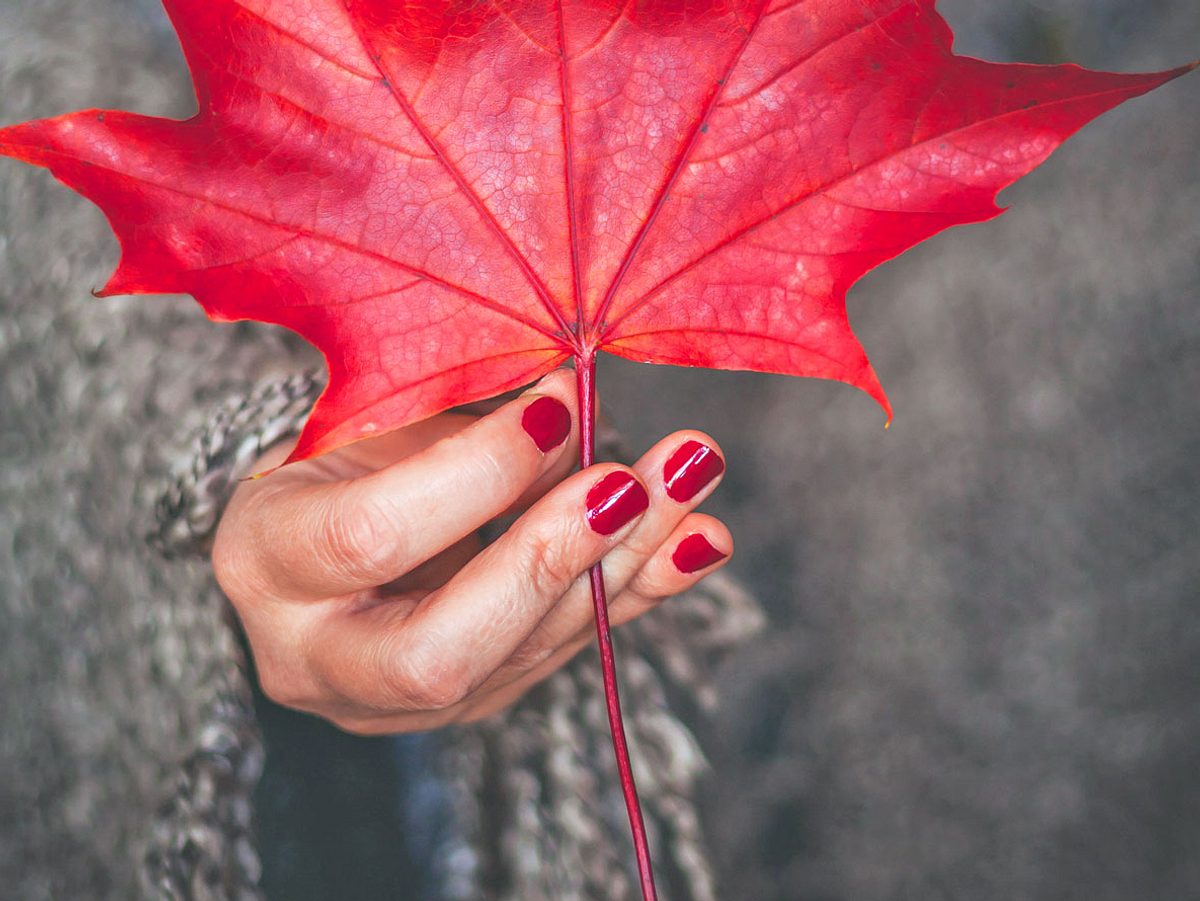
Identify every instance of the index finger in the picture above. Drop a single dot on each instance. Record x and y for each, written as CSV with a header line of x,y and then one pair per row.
x,y
316,540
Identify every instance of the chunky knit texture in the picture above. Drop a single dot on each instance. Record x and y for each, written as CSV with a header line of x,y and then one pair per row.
x,y
535,805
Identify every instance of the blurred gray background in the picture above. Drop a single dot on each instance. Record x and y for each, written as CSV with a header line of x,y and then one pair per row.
x,y
982,675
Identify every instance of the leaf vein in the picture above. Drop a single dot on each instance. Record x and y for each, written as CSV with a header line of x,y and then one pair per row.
x,y
518,28
329,239
608,30
283,32
819,191
818,51
759,336
677,166
397,389
481,209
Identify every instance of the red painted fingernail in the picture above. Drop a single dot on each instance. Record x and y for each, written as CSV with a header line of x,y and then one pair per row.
x,y
690,468
615,500
696,553
548,422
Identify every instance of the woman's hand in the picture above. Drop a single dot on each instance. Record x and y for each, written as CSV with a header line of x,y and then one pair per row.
x,y
368,599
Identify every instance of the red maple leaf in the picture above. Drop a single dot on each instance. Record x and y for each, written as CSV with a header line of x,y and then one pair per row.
x,y
451,198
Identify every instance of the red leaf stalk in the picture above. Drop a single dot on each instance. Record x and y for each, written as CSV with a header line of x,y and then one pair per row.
x,y
585,382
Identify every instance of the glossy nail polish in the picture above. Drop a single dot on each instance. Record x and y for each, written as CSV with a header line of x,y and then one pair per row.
x,y
614,501
548,422
695,553
689,469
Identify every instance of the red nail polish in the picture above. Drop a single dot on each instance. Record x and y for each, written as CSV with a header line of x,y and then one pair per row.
x,y
548,422
690,468
696,553
615,500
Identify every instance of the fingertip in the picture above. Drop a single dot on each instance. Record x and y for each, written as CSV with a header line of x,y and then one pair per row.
x,y
700,544
548,411
696,552
547,420
615,500
686,465
692,467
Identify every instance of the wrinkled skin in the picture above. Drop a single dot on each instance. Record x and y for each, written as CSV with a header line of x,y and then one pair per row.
x,y
366,595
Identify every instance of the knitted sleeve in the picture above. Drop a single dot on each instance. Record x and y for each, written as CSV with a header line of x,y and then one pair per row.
x,y
534,800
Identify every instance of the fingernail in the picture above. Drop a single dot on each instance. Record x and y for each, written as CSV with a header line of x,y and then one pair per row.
x,y
690,468
696,553
548,422
614,501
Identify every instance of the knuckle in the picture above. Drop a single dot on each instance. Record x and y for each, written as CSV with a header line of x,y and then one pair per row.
x,y
227,563
651,585
440,694
637,603
251,550
374,726
530,658
278,688
482,461
420,676
493,470
641,547
550,564
234,565
284,674
359,540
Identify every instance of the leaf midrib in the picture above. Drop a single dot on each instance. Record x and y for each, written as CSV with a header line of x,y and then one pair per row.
x,y
318,236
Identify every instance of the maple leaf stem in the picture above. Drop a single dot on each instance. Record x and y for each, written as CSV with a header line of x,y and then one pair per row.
x,y
585,383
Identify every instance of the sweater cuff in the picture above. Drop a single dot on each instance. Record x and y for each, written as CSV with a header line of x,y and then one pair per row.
x,y
224,452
